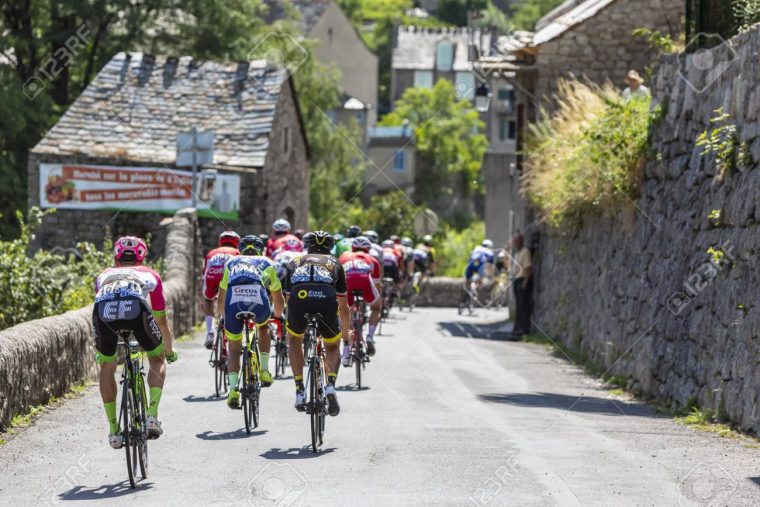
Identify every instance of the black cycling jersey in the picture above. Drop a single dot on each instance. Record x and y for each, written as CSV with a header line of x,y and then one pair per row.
x,y
316,269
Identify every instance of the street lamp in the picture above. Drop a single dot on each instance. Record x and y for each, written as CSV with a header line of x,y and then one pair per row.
x,y
482,98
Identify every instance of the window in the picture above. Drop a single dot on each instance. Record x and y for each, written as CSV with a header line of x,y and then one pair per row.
x,y
444,56
506,97
332,114
464,83
423,78
399,161
507,129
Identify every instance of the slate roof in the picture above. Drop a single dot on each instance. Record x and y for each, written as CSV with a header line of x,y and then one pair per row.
x,y
416,47
565,17
137,104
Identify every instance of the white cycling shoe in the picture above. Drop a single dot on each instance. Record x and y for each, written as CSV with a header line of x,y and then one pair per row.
x,y
300,403
346,355
332,400
154,427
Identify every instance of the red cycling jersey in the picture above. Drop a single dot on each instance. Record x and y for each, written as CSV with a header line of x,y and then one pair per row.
x,y
362,270
213,269
285,243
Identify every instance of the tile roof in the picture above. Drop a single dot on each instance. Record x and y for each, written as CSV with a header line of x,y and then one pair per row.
x,y
137,104
416,47
563,20
310,11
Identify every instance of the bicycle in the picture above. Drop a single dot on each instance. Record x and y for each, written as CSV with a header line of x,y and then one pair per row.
x,y
218,361
316,406
250,387
359,357
281,351
134,403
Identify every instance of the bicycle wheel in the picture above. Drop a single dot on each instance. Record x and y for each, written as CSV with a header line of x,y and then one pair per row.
x,y
218,371
127,409
315,406
246,376
322,402
142,445
255,389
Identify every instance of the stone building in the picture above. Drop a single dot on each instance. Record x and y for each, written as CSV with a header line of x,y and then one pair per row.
x,y
392,162
423,56
339,44
594,40
93,165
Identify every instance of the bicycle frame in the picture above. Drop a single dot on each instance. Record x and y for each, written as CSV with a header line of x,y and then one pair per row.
x,y
314,384
132,415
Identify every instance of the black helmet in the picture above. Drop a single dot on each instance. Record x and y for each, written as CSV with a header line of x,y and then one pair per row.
x,y
251,245
319,242
354,231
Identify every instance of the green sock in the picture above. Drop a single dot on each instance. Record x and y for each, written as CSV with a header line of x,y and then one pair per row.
x,y
331,378
265,361
113,424
233,376
299,382
155,398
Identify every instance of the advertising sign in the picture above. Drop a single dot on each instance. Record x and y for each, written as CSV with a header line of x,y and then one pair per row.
x,y
138,189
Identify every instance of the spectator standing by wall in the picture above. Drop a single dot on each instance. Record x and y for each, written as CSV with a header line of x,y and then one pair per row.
x,y
521,272
636,88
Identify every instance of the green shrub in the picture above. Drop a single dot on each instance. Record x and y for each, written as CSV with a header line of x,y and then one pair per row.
x,y
589,154
48,282
453,248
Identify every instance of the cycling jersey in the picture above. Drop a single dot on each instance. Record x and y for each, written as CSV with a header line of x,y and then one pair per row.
x,y
246,281
362,270
213,269
392,264
121,304
285,243
479,257
376,251
315,282
282,260
343,246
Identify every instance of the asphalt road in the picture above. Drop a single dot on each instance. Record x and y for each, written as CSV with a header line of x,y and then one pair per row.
x,y
448,418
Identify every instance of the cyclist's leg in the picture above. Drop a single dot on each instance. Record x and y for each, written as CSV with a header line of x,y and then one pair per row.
x,y
296,328
105,346
210,291
148,335
375,301
233,330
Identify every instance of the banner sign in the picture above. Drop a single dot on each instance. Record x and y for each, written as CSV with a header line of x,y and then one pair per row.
x,y
140,189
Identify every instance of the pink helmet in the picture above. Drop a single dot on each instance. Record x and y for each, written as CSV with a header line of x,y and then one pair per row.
x,y
130,248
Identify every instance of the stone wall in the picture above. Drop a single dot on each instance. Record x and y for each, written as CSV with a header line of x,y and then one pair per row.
x,y
602,48
46,357
636,290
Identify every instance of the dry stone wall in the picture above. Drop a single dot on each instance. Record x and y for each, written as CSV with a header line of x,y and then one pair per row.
x,y
638,291
46,357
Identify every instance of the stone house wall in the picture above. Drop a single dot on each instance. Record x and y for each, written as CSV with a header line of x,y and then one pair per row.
x,y
603,48
636,290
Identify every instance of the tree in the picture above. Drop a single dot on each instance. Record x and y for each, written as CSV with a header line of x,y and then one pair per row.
x,y
455,11
526,13
447,133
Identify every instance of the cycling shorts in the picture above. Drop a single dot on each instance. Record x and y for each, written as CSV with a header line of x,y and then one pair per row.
x,y
420,265
127,314
311,298
391,271
211,285
245,298
364,284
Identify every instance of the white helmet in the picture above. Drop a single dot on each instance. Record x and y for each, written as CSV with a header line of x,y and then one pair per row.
x,y
281,225
487,243
372,236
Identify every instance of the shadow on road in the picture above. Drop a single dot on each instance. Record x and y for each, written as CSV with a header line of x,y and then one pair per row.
x,y
352,388
228,435
191,398
122,488
588,404
304,452
479,331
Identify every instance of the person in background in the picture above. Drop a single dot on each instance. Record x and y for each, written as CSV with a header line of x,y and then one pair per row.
x,y
636,88
521,271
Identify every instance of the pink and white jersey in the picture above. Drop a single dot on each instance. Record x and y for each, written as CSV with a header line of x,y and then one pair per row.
x,y
131,281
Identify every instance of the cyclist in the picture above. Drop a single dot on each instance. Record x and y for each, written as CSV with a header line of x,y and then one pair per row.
x,y
317,284
338,238
299,233
424,255
345,244
363,273
408,246
244,287
480,257
282,239
130,297
375,250
392,261
213,269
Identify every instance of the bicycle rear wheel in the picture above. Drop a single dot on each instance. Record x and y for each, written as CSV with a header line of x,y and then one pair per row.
x,y
218,370
244,388
315,406
126,417
142,444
